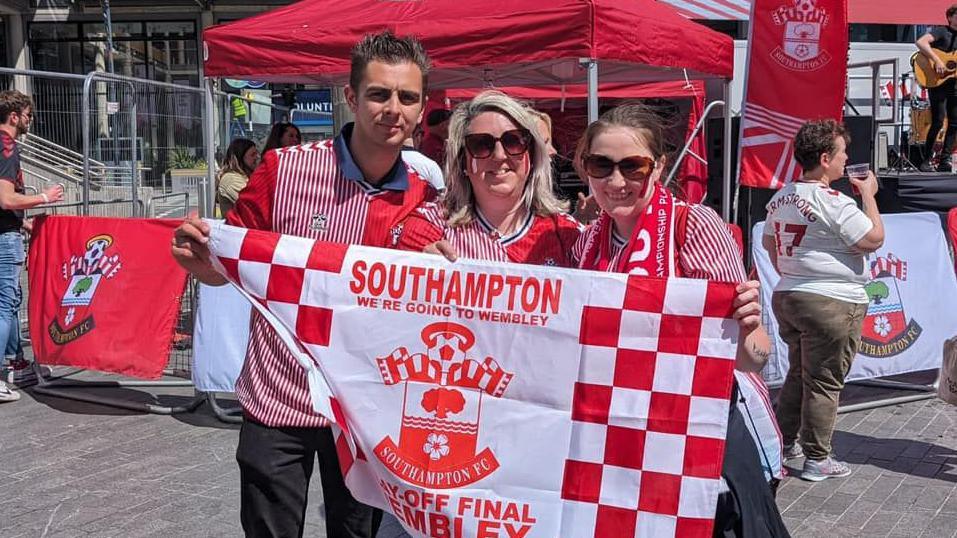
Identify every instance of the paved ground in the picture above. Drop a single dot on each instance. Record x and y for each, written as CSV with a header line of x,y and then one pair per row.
x,y
73,469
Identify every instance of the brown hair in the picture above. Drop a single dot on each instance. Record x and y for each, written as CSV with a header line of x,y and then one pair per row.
x,y
951,10
13,101
386,47
644,122
815,138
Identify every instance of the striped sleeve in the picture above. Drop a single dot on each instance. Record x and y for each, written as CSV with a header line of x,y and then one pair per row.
x,y
421,228
709,251
578,249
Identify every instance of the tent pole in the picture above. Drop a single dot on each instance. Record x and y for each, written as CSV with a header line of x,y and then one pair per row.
x,y
592,66
207,192
726,160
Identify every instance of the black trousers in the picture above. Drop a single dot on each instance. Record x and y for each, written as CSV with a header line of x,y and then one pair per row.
x,y
943,104
748,510
275,465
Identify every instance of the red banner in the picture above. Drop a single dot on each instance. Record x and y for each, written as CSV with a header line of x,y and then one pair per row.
x,y
104,293
797,70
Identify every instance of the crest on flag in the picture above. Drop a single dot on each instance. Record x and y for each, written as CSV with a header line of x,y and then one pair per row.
x,y
443,390
887,331
800,48
84,272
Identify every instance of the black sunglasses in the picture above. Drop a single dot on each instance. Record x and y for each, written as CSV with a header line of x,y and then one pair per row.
x,y
634,168
482,145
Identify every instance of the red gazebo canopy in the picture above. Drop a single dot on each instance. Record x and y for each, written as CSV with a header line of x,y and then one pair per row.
x,y
474,44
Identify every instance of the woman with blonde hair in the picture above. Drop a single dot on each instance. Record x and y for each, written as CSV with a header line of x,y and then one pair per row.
x,y
499,204
238,164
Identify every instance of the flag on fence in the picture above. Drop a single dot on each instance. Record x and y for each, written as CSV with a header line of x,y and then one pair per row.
x,y
104,293
483,399
796,71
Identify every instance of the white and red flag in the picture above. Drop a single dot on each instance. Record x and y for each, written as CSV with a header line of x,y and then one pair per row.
x,y
796,71
482,399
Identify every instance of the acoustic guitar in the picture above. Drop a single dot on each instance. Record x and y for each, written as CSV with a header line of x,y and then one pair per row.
x,y
924,70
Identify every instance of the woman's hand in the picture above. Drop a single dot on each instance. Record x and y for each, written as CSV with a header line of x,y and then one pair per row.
x,y
747,306
443,248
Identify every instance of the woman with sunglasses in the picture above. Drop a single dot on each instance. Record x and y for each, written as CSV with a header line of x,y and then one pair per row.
x,y
499,204
642,229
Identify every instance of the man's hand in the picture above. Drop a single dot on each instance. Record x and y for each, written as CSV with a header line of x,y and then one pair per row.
x,y
191,251
747,306
940,67
53,194
443,248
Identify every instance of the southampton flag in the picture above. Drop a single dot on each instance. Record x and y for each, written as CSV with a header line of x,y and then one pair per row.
x,y
482,399
796,71
104,293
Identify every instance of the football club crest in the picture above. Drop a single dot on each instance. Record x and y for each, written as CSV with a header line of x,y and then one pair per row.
x,y
319,222
443,389
800,48
887,331
84,273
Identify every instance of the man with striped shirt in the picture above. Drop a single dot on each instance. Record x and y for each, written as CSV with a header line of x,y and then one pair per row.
x,y
351,190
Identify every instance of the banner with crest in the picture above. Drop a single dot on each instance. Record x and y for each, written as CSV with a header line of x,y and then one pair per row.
x,y
796,71
104,293
482,399
903,329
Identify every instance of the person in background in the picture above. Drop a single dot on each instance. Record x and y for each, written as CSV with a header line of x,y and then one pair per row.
x,y
417,135
943,98
433,145
427,169
622,156
240,161
283,134
818,240
16,113
499,205
301,191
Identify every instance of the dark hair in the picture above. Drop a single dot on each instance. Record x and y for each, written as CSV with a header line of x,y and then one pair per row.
x,y
274,140
644,121
13,101
815,138
437,116
387,48
951,10
235,161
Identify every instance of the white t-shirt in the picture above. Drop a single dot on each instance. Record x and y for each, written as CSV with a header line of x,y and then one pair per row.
x,y
427,169
814,229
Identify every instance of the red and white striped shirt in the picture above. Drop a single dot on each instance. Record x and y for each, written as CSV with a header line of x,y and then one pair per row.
x,y
315,191
539,241
705,250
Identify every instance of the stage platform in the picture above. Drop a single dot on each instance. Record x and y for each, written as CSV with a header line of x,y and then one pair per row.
x,y
907,192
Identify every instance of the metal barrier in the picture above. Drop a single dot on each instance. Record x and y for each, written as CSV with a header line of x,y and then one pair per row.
x,y
255,126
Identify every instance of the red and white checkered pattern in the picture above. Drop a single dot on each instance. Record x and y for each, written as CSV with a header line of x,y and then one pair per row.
x,y
650,411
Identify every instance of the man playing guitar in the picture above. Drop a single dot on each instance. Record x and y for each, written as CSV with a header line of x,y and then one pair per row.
x,y
943,98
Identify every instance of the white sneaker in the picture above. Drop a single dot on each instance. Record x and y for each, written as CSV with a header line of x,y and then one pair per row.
x,y
817,470
7,395
792,452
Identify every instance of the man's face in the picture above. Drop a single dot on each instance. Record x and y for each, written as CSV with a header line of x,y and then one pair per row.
x,y
387,104
24,117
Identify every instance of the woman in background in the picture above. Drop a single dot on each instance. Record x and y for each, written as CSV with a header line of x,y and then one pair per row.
x,y
240,161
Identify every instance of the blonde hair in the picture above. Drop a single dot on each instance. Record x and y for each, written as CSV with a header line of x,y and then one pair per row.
x,y
546,119
460,201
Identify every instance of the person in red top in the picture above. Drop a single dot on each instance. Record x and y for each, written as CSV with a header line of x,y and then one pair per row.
x,y
499,204
433,144
643,230
352,190
16,113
